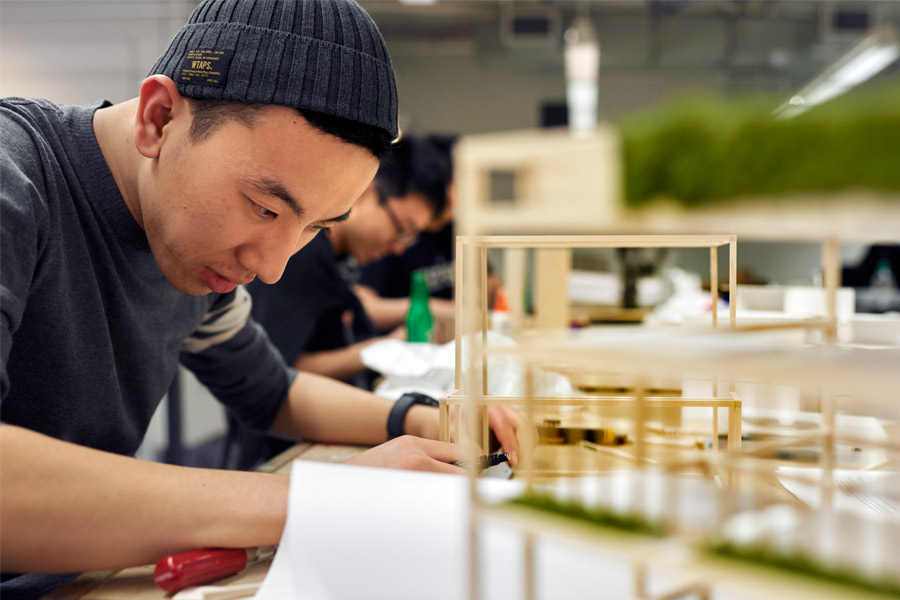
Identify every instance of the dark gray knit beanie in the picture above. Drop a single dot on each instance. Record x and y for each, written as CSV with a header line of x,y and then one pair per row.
x,y
322,55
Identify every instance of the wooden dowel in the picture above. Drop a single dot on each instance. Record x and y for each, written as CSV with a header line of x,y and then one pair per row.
x,y
732,281
483,307
831,277
714,284
444,415
459,312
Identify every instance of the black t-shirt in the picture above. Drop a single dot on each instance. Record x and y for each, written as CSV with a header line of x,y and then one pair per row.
x,y
433,253
304,311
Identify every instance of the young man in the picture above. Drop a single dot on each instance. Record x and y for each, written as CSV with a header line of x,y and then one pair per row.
x,y
312,315
125,231
383,285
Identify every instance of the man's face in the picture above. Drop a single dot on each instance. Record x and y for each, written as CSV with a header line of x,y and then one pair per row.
x,y
378,228
240,203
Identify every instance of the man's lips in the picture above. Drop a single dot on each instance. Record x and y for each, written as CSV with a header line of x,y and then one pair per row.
x,y
220,284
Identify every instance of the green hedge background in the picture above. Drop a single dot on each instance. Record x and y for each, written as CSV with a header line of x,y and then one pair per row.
x,y
699,149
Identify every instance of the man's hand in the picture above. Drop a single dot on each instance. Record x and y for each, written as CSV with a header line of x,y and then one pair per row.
x,y
398,333
506,424
507,427
413,454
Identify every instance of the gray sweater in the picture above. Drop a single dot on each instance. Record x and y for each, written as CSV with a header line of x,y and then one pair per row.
x,y
91,331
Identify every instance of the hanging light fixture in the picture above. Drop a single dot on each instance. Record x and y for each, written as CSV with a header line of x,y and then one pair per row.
x,y
866,59
582,63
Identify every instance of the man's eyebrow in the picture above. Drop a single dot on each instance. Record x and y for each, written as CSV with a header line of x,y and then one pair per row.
x,y
273,187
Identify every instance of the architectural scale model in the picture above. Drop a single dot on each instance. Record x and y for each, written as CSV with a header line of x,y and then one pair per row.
x,y
720,522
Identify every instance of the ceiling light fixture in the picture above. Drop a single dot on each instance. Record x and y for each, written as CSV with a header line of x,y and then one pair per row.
x,y
866,59
582,63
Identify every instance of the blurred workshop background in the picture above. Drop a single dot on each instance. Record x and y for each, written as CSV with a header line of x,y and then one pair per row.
x,y
479,66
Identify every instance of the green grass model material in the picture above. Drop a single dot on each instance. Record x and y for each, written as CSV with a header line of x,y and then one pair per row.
x,y
802,565
596,516
797,564
702,150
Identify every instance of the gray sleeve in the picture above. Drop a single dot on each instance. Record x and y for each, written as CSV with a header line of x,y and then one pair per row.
x,y
233,357
23,219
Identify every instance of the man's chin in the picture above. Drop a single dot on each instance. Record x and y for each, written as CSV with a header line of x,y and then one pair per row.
x,y
189,286
365,258
198,290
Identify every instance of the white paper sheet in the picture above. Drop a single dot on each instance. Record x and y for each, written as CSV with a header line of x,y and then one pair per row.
x,y
429,369
865,493
357,532
363,533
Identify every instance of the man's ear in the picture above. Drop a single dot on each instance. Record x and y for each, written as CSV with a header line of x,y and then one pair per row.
x,y
158,105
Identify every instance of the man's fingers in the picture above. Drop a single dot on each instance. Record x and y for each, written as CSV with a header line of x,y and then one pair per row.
x,y
505,423
449,468
442,451
414,454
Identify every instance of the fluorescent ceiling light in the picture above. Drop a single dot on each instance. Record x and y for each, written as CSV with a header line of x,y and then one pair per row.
x,y
868,58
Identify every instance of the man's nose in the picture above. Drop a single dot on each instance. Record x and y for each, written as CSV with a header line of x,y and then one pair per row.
x,y
268,255
398,247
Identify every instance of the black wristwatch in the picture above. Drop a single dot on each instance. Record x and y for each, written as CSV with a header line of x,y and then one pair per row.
x,y
401,407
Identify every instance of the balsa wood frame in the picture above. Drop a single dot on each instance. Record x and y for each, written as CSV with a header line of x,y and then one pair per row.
x,y
472,400
472,306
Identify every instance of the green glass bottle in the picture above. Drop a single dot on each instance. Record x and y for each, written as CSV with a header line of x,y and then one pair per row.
x,y
419,326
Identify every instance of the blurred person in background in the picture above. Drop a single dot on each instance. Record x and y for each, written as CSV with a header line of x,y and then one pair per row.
x,y
383,285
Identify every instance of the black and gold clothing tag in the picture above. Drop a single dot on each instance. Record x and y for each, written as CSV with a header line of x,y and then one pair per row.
x,y
205,67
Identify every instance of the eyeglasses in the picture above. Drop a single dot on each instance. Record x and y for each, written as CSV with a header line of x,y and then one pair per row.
x,y
401,234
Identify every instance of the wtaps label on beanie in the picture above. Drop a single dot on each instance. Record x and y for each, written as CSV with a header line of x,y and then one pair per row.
x,y
205,67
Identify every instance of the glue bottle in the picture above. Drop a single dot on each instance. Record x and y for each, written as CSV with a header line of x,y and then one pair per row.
x,y
500,318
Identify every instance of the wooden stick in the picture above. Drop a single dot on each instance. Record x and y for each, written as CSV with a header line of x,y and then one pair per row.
x,y
444,415
529,571
798,323
698,590
514,278
714,284
831,277
485,430
649,401
460,313
640,416
640,582
715,428
734,425
599,241
616,451
459,421
474,550
483,307
526,459
828,454
732,281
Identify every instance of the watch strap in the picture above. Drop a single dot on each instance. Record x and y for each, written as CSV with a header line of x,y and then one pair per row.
x,y
398,412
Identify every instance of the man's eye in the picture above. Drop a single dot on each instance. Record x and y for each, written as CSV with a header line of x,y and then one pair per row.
x,y
262,210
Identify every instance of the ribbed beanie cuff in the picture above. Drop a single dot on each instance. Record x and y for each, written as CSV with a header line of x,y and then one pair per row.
x,y
322,55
